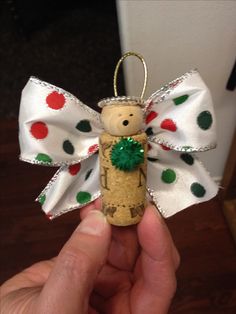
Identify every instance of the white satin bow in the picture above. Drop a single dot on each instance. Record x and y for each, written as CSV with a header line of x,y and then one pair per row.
x,y
57,129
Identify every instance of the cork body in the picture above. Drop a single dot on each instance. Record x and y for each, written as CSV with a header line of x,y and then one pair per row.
x,y
123,192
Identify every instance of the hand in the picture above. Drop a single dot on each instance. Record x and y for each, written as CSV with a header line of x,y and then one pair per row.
x,y
101,269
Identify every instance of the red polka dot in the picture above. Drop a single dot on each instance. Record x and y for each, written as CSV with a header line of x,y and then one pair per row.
x,y
74,169
149,146
93,148
168,124
174,83
55,100
150,105
39,130
165,147
152,115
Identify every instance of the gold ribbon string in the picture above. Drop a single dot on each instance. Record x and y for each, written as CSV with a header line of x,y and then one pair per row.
x,y
128,54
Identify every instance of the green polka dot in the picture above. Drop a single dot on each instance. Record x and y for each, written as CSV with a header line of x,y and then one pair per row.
x,y
83,197
88,174
149,131
68,147
204,120
42,199
179,100
187,148
197,189
168,176
188,159
84,126
43,158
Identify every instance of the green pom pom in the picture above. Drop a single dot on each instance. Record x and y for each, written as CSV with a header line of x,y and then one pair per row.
x,y
127,154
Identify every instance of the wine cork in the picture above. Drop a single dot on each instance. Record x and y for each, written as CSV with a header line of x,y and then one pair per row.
x,y
123,191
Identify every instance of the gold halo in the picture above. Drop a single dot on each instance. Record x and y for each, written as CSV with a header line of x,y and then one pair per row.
x,y
121,100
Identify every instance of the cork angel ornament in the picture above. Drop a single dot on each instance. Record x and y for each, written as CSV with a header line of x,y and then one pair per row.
x,y
123,157
134,149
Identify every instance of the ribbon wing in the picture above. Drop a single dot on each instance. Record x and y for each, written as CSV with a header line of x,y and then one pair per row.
x,y
177,180
180,115
71,187
55,127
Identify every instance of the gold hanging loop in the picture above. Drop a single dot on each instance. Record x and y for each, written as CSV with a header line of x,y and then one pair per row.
x,y
130,53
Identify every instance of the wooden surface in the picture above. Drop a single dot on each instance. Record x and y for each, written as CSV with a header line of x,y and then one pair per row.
x,y
206,277
229,176
229,208
227,194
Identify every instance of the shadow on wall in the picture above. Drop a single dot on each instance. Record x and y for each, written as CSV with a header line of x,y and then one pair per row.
x,y
72,45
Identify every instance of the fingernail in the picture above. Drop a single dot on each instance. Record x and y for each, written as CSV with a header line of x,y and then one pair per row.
x,y
94,223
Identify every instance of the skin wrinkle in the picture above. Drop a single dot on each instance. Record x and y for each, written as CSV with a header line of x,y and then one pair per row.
x,y
70,261
27,279
73,251
42,276
24,298
86,261
168,285
121,251
123,244
113,278
76,266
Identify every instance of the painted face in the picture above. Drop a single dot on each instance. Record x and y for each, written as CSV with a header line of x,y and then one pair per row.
x,y
122,120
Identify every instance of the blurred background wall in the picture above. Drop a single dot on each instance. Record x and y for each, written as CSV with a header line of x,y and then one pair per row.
x,y
176,36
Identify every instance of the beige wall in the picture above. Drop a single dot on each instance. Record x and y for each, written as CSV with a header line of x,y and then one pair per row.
x,y
176,36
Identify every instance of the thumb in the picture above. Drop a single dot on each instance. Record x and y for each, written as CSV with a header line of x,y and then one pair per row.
x,y
159,262
72,278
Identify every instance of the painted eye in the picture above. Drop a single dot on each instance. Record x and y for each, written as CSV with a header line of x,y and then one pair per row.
x,y
131,115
